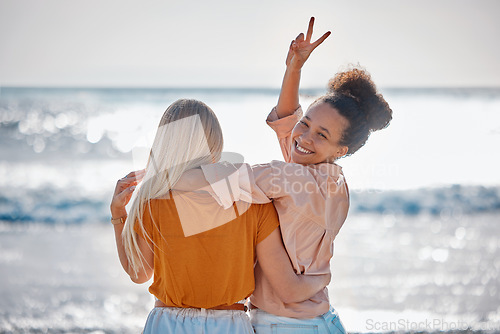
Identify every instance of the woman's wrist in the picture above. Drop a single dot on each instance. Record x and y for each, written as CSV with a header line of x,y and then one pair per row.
x,y
294,68
117,213
118,221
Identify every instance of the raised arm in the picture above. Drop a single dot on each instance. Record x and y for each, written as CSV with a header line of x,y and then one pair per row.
x,y
273,261
300,49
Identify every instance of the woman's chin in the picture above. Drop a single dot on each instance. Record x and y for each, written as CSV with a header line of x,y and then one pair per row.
x,y
301,159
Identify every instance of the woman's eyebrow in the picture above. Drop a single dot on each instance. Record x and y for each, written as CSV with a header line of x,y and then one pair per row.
x,y
325,129
322,128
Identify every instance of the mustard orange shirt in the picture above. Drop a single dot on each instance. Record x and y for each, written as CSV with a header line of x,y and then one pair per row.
x,y
204,254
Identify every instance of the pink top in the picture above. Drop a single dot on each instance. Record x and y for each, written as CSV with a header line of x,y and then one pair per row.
x,y
312,203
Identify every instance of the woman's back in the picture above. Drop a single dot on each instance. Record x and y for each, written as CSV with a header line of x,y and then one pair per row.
x,y
204,255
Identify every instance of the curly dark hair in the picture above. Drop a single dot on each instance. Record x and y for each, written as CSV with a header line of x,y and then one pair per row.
x,y
354,95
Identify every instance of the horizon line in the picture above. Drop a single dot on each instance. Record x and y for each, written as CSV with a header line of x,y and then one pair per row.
x,y
249,88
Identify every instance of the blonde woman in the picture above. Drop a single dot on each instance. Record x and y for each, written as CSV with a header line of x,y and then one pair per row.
x,y
201,255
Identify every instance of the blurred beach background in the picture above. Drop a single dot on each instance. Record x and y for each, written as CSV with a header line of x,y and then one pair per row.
x,y
82,89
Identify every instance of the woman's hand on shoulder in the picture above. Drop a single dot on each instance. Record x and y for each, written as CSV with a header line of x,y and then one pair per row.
x,y
301,48
123,192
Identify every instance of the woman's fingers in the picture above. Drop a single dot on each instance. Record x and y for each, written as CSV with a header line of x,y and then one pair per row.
x,y
131,179
308,45
321,39
138,174
310,29
123,192
299,38
127,194
121,199
289,55
300,49
124,183
135,176
122,186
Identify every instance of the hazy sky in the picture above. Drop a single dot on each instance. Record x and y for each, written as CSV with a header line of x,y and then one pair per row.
x,y
233,43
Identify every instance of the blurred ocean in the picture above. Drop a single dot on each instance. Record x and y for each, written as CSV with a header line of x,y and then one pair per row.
x,y
420,250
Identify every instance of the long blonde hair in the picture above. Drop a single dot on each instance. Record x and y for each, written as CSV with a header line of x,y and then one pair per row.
x,y
188,136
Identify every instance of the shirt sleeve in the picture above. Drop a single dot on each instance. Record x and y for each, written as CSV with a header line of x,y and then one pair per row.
x,y
283,128
268,221
315,193
278,179
232,183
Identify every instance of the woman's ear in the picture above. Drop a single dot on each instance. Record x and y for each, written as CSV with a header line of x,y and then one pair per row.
x,y
342,151
339,154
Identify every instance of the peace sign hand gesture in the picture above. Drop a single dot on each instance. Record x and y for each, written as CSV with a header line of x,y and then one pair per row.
x,y
300,48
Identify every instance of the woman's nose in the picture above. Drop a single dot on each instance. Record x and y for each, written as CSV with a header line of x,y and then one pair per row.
x,y
306,137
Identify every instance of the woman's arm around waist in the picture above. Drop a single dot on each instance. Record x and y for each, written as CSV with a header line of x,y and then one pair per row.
x,y
277,268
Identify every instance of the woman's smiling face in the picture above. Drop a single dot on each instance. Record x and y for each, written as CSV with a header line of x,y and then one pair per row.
x,y
316,137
